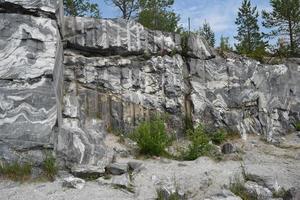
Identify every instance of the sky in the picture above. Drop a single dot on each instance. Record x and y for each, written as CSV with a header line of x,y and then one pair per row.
x,y
220,14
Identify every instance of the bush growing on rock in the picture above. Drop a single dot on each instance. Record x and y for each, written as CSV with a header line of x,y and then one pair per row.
x,y
199,146
151,137
218,137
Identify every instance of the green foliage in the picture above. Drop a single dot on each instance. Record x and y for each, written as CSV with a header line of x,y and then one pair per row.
x,y
161,196
184,42
200,144
249,38
127,7
202,141
158,15
208,34
49,167
81,8
151,137
224,44
297,126
237,186
281,193
16,171
218,137
284,20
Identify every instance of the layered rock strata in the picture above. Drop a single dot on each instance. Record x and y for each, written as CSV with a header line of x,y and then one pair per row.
x,y
65,82
30,78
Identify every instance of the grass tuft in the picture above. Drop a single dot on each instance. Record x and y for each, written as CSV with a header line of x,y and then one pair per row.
x,y
49,167
297,126
16,171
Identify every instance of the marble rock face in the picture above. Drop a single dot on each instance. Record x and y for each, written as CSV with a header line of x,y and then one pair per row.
x,y
119,36
246,96
29,52
64,94
38,5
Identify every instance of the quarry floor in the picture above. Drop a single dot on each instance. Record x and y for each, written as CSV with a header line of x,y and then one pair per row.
x,y
270,166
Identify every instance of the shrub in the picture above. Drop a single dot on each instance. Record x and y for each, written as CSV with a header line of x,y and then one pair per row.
x,y
200,144
49,167
297,126
162,196
151,137
218,137
16,171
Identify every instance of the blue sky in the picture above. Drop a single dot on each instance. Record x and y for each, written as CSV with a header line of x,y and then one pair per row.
x,y
220,14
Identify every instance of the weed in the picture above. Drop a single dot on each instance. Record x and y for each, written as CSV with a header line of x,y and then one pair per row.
x,y
162,196
237,186
49,167
151,137
280,193
16,171
297,126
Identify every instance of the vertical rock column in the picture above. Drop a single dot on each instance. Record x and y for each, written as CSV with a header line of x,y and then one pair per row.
x,y
30,78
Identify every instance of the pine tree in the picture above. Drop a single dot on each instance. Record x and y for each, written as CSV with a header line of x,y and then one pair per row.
x,y
249,38
81,8
158,15
208,34
224,44
127,7
284,19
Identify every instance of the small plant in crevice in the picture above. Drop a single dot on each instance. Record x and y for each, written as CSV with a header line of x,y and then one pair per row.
x,y
167,194
281,193
151,137
297,126
184,42
16,171
49,167
237,186
162,196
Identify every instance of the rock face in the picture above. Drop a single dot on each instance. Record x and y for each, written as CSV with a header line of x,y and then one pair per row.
x,y
111,74
246,96
31,55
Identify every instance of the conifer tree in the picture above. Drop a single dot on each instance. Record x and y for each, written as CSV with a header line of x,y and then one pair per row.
x,y
224,44
248,36
284,20
208,34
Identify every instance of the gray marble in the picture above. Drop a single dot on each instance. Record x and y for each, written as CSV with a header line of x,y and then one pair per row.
x,y
44,5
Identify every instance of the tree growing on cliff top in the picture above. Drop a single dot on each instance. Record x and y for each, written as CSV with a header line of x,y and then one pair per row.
x,y
224,44
158,15
249,38
284,20
81,8
127,7
208,33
